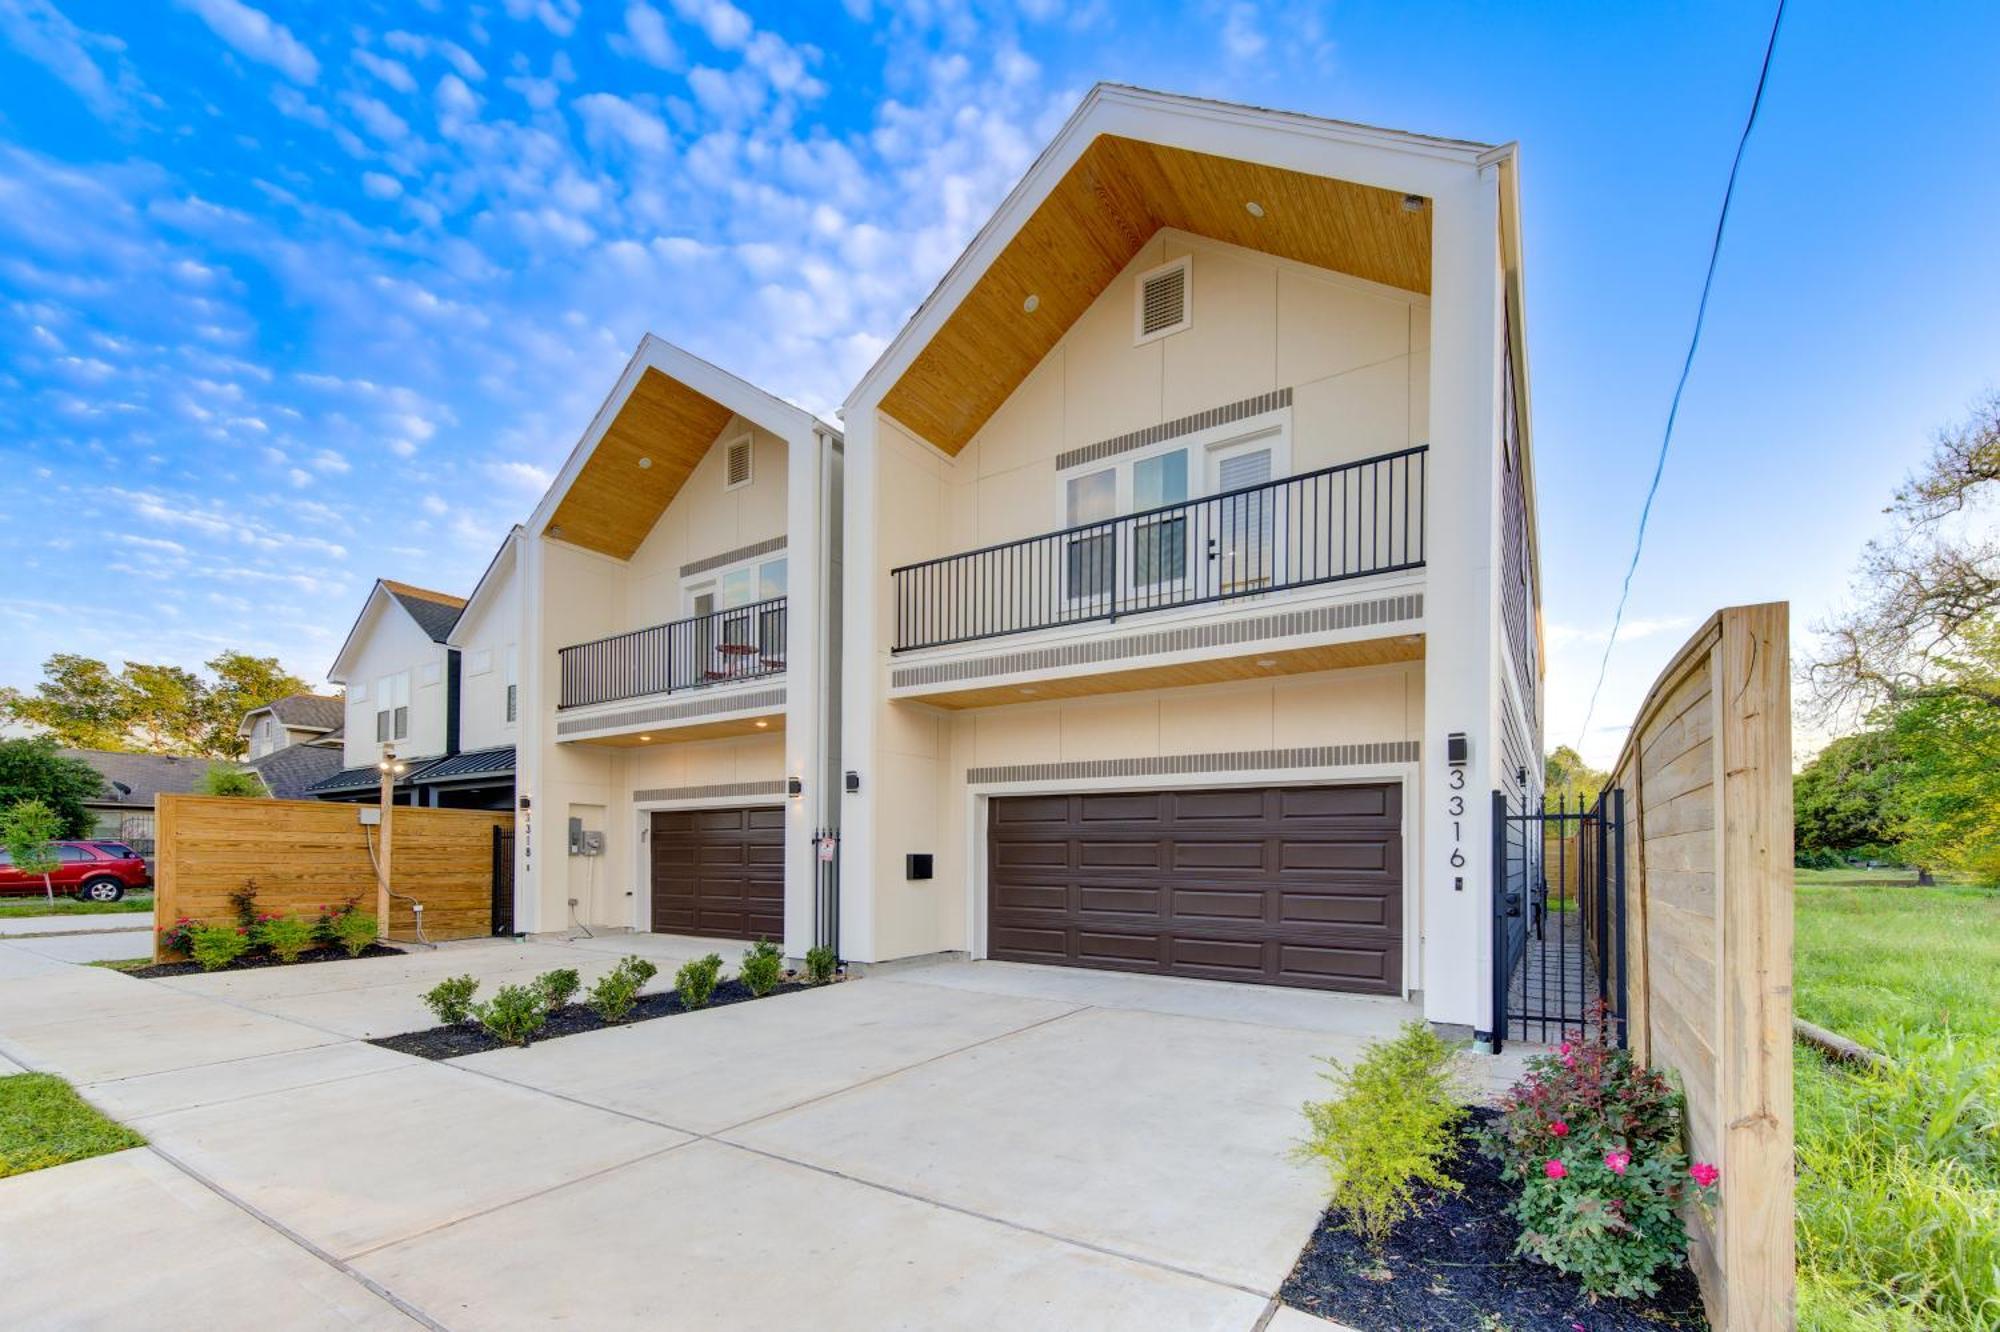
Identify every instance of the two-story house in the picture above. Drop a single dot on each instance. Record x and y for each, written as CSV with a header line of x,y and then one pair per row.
x,y
1191,596
297,719
678,621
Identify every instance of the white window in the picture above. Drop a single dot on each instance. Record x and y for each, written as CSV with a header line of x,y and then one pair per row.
x,y
737,456
392,707
430,672
1161,301
480,662
513,685
736,585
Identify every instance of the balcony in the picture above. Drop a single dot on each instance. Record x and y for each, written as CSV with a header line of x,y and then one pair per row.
x,y
700,652
1349,521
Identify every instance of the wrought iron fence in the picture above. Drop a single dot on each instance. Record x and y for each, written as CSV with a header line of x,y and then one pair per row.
x,y
741,643
1340,522
1558,919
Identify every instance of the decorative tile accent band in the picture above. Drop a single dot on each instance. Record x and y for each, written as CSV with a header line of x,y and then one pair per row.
x,y
776,788
1215,634
732,556
1186,425
1249,760
763,700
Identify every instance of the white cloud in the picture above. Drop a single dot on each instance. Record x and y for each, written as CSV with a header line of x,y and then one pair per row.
x,y
608,115
394,73
258,36
379,186
646,37
522,475
376,117
723,23
1241,37
40,31
558,16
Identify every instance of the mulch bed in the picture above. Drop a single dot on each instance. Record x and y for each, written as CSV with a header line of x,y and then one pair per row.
x,y
1451,1268
569,1020
253,961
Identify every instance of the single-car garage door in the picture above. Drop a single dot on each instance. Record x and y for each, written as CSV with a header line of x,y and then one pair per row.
x,y
1285,885
720,872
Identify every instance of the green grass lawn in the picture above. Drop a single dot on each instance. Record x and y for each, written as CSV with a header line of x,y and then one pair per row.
x,y
1899,1173
43,1122
13,907
1848,877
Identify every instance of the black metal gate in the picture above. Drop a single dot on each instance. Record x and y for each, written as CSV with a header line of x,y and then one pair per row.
x,y
1558,919
503,880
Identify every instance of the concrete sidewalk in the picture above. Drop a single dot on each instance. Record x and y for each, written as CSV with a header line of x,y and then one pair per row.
x,y
79,922
959,1146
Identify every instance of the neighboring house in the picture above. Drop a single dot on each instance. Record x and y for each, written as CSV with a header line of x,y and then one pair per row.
x,y
677,616
124,811
1192,610
487,639
401,682
298,719
293,772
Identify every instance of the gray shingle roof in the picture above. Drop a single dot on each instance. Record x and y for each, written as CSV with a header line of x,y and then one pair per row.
x,y
434,612
317,712
134,779
289,773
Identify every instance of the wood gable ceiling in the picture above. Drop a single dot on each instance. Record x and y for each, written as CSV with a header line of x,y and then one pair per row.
x,y
613,503
1119,193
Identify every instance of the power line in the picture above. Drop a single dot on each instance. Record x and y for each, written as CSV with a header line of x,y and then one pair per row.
x,y
1674,409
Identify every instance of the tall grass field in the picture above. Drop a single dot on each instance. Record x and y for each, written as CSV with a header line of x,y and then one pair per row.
x,y
1899,1172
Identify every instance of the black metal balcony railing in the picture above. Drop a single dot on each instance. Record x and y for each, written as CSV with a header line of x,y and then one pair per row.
x,y
1347,521
741,643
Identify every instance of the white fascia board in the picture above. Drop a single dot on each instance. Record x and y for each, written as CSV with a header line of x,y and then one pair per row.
x,y
793,424
1385,159
497,570
377,596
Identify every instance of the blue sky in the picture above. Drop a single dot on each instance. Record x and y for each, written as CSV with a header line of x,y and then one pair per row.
x,y
297,294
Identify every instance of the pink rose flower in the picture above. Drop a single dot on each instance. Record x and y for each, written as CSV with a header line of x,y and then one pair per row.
x,y
1557,1127
1616,1162
1704,1174
1555,1169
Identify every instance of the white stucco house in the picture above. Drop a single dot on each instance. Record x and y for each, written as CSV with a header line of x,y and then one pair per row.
x,y
679,630
1192,609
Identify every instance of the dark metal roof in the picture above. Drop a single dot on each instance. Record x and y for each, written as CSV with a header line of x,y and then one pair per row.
x,y
291,772
473,763
367,778
134,779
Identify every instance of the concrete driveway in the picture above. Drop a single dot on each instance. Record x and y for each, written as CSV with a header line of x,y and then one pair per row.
x,y
960,1145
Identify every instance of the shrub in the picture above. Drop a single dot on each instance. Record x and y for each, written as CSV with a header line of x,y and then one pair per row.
x,y
354,931
820,963
695,982
1593,1139
450,1000
244,903
763,966
513,1014
330,916
286,936
558,987
618,989
179,936
216,946
1389,1131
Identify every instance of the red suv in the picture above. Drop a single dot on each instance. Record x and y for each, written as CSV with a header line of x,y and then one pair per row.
x,y
88,871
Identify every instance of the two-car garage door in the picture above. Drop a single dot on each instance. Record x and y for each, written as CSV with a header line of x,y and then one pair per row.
x,y
1279,885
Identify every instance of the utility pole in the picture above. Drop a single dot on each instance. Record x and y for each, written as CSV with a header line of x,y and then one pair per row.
x,y
390,767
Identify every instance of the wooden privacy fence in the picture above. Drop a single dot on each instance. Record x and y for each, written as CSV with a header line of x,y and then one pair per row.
x,y
1707,776
306,854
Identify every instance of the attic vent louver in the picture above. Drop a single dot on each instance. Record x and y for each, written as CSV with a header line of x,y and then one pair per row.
x,y
736,464
1163,301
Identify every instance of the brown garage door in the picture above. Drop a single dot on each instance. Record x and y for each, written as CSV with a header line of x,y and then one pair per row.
x,y
1282,886
720,872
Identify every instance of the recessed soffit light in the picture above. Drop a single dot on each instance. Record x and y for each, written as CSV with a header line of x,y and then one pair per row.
x,y
1267,662
645,464
1032,304
1413,203
645,737
1253,208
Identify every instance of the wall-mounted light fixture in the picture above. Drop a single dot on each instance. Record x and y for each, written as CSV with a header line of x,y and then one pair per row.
x,y
1457,749
853,783
794,787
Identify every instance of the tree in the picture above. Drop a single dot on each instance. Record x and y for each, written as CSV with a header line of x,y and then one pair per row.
x,y
79,702
1567,779
28,831
1925,587
1843,801
154,709
31,769
1947,774
221,780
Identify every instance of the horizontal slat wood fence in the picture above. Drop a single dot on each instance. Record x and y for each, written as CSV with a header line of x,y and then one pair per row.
x,y
307,854
1707,775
